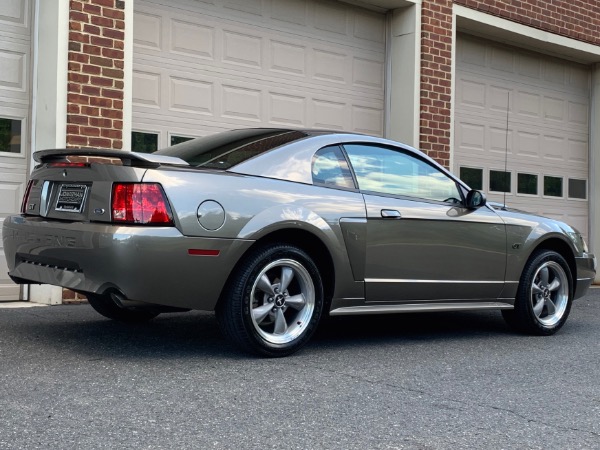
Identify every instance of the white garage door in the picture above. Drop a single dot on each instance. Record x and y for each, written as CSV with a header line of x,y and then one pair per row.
x,y
547,159
15,44
200,68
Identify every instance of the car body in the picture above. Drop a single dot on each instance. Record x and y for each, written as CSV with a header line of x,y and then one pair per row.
x,y
273,228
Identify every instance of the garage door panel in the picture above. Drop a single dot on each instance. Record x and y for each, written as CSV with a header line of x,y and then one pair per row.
x,y
547,134
219,66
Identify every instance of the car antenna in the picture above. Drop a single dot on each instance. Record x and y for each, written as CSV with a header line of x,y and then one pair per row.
x,y
506,150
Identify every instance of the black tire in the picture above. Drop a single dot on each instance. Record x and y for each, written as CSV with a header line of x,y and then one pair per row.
x,y
257,316
105,305
544,296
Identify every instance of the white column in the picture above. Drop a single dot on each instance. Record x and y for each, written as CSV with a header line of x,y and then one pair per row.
x,y
594,176
404,53
49,97
128,74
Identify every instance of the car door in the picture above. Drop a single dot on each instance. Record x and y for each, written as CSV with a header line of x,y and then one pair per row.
x,y
422,243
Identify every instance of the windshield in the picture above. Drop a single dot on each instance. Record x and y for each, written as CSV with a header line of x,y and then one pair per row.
x,y
225,150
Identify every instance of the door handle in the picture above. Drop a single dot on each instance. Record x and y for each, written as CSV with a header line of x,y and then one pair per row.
x,y
390,214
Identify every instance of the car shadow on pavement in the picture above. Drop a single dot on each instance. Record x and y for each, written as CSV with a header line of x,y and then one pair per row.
x,y
196,334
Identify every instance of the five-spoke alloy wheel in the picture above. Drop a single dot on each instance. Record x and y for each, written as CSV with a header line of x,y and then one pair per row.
x,y
273,301
544,297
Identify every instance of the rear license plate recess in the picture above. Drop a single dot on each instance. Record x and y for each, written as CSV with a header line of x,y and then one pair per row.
x,y
71,197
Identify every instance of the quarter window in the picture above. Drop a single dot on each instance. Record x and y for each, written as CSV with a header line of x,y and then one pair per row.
x,y
390,171
330,168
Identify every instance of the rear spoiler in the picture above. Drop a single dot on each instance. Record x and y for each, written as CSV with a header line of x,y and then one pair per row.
x,y
127,158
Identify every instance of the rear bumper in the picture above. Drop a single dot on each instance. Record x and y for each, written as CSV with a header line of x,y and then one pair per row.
x,y
586,272
149,264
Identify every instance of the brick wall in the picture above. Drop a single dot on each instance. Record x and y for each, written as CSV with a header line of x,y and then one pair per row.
x,y
576,19
95,74
95,79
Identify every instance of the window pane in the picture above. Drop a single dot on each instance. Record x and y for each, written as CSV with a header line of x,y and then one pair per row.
x,y
527,183
144,142
577,188
330,168
473,177
553,186
390,171
179,139
225,150
500,181
10,135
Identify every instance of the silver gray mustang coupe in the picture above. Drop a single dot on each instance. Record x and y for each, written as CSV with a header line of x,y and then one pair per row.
x,y
275,228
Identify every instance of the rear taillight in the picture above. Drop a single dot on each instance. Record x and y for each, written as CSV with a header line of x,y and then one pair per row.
x,y
140,203
26,197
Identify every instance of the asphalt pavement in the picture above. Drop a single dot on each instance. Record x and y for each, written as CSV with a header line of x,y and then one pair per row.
x,y
71,379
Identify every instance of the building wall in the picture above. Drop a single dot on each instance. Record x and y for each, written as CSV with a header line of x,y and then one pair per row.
x,y
96,74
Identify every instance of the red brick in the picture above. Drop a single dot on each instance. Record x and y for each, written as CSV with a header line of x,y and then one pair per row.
x,y
92,50
78,77
101,102
114,14
101,122
99,142
112,113
79,99
79,37
113,53
108,3
113,73
103,21
111,93
76,119
92,9
92,70
114,34
90,111
89,131
79,17
112,134
102,81
103,62
92,91
76,140
101,41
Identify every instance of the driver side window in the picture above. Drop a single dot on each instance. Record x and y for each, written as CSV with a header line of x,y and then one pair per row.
x,y
394,172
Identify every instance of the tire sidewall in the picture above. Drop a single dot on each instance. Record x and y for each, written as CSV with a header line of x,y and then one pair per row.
x,y
254,267
524,306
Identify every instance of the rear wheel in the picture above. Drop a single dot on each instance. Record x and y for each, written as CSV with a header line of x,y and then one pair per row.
x,y
273,302
109,307
545,295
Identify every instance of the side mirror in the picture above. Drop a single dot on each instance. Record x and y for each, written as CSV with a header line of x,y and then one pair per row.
x,y
475,199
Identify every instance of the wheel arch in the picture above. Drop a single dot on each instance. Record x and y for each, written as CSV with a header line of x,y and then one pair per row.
x,y
563,249
306,241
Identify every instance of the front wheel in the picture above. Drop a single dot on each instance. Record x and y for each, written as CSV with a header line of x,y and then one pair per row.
x,y
273,302
544,296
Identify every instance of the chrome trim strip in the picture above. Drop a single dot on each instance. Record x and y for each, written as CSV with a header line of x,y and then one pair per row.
x,y
420,307
44,199
396,280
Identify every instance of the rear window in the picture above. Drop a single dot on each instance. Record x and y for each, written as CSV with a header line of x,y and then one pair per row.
x,y
227,149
